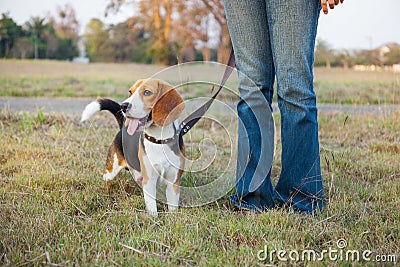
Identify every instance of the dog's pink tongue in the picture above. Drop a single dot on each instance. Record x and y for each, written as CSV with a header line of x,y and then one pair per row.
x,y
132,126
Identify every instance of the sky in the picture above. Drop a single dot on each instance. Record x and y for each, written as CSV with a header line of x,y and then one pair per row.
x,y
356,24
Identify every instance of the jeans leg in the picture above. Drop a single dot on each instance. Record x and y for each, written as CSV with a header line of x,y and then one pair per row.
x,y
293,27
249,32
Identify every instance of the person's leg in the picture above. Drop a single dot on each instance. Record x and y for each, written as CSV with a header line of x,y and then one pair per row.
x,y
293,27
248,28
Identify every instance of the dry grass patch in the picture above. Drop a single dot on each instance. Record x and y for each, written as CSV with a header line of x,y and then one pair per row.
x,y
55,209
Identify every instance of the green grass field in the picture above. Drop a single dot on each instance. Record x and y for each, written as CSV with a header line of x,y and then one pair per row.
x,y
56,210
64,79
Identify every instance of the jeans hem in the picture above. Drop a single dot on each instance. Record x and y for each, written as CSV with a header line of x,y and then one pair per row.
x,y
233,199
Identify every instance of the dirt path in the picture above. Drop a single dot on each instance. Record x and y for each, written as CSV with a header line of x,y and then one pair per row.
x,y
76,105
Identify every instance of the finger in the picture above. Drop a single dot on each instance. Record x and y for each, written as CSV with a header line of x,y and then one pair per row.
x,y
324,6
341,1
336,2
331,4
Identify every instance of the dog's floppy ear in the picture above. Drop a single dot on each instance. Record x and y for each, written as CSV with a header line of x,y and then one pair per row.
x,y
168,107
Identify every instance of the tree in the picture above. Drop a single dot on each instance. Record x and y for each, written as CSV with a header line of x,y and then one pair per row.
x,y
323,54
66,31
224,42
345,58
157,18
66,49
23,48
9,32
393,57
36,26
126,41
176,28
191,30
129,41
364,57
67,25
138,39
97,44
50,40
158,21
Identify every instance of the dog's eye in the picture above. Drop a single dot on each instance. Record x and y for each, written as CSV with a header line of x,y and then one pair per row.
x,y
147,93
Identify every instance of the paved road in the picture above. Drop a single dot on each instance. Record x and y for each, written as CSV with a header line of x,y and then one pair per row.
x,y
76,105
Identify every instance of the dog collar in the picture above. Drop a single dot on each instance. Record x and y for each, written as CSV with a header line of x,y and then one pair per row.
x,y
154,140
159,141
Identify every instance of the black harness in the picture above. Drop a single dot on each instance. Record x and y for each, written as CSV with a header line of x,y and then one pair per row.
x,y
193,118
130,144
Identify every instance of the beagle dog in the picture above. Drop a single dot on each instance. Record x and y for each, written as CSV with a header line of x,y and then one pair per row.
x,y
152,149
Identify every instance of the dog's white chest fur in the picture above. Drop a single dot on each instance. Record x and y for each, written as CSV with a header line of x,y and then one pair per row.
x,y
161,157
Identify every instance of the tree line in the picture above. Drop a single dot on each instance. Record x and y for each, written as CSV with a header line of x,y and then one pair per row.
x,y
384,55
161,32
51,37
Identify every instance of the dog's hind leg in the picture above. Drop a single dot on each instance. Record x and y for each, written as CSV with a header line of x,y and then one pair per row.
x,y
114,164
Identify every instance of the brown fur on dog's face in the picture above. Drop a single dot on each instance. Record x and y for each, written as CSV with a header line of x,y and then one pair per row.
x,y
168,106
156,96
134,87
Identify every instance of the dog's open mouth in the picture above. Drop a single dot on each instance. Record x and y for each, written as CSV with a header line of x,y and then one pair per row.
x,y
134,123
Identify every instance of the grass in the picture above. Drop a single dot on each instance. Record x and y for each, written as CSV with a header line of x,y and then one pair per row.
x,y
56,210
26,78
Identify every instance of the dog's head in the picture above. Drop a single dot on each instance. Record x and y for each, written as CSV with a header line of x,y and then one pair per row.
x,y
151,101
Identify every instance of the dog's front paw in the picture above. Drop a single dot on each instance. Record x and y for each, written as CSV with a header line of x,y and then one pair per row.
x,y
172,208
153,213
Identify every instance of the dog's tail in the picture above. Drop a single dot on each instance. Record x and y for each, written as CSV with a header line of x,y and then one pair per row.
x,y
103,104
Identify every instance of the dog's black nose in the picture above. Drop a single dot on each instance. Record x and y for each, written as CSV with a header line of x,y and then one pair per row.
x,y
124,106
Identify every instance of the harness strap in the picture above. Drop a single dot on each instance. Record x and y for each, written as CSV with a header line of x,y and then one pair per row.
x,y
193,118
196,115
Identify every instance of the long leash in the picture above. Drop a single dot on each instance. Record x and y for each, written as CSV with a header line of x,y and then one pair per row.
x,y
194,117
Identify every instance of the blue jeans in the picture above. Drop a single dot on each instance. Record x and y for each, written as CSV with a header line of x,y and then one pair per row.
x,y
276,38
